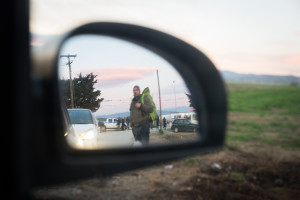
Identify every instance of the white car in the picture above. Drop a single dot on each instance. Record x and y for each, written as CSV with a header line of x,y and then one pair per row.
x,y
111,123
85,128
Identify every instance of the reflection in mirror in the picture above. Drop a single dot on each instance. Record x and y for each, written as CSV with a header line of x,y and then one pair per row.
x,y
104,110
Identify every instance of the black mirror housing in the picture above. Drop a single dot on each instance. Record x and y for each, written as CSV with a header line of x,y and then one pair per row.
x,y
55,162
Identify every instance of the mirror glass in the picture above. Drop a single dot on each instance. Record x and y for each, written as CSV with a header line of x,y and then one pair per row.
x,y
99,76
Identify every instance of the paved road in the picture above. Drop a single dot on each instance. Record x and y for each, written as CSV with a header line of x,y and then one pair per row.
x,y
113,138
116,139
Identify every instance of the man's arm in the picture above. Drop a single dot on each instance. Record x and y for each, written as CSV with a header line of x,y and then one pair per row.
x,y
147,106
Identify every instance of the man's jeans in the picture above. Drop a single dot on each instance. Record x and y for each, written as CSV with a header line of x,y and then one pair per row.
x,y
141,133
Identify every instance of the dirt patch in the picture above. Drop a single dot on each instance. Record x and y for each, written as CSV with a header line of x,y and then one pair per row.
x,y
245,176
169,136
218,175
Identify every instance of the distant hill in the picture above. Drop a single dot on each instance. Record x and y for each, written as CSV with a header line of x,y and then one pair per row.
x,y
232,77
164,112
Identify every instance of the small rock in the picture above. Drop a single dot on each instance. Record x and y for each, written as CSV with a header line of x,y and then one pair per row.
x,y
75,190
218,166
169,167
186,189
189,188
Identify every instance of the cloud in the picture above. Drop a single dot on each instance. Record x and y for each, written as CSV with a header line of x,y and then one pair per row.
x,y
293,59
113,76
297,33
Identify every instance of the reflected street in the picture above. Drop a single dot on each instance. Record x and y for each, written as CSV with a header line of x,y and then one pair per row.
x,y
115,138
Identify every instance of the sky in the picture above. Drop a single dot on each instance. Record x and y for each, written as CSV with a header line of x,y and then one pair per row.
x,y
119,66
257,36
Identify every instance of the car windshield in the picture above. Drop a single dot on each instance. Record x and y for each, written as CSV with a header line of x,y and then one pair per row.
x,y
80,117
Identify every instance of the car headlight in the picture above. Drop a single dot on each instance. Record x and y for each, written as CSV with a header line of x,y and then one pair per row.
x,y
89,134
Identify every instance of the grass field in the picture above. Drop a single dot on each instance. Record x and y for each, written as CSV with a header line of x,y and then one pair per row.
x,y
268,114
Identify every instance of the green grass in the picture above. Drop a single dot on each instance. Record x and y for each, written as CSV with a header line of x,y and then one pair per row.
x,y
191,160
265,99
237,176
242,137
246,126
258,127
247,131
270,114
293,142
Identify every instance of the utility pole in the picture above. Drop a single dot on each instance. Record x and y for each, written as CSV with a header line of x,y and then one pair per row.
x,y
175,97
159,101
71,85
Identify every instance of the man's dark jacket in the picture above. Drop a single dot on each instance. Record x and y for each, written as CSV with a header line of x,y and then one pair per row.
x,y
140,115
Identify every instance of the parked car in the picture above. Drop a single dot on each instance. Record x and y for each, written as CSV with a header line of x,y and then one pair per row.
x,y
85,128
182,124
112,123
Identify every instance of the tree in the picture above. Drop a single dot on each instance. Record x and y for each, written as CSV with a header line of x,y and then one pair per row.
x,y
190,99
84,93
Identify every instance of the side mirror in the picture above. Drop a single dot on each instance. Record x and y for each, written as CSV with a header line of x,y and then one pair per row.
x,y
55,161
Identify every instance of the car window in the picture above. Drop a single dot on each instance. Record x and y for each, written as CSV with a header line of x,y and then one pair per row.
x,y
80,117
180,121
